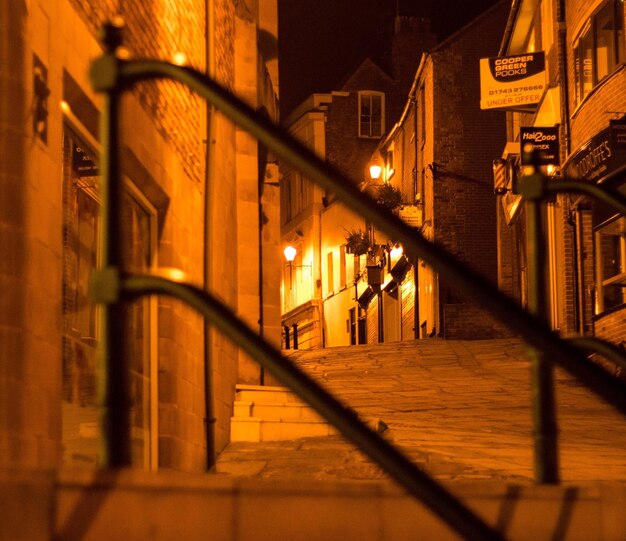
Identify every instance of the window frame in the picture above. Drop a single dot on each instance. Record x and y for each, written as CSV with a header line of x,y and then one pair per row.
x,y
370,94
589,33
614,280
75,129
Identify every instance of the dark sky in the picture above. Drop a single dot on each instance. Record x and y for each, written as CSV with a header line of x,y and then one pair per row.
x,y
321,41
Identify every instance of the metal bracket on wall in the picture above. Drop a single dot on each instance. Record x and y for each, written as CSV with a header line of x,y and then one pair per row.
x,y
41,92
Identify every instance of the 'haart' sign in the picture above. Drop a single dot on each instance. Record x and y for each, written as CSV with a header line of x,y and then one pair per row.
x,y
512,82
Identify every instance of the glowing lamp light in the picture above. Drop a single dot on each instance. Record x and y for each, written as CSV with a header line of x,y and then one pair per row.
x,y
375,171
179,58
396,252
290,253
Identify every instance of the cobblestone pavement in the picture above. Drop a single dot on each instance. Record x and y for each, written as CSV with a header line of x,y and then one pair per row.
x,y
460,409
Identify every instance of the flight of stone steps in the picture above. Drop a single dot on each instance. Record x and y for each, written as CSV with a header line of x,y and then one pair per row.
x,y
271,413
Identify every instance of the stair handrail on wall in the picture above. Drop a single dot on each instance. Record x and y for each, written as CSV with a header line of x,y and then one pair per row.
x,y
112,286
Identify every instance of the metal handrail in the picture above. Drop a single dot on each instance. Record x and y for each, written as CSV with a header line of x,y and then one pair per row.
x,y
112,75
379,450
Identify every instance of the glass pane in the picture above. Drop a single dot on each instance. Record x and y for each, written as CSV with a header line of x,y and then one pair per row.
x,y
377,113
605,40
366,115
80,413
612,253
80,233
138,253
586,60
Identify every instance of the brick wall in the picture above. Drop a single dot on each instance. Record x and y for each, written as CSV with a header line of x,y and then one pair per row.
x,y
467,322
166,141
611,326
588,118
467,140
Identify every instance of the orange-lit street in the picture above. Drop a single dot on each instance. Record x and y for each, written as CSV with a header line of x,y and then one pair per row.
x,y
459,409
312,270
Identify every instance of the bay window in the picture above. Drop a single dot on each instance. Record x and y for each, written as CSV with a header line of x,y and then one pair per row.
x,y
599,47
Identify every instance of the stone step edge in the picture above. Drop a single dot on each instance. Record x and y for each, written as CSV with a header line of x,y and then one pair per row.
x,y
375,423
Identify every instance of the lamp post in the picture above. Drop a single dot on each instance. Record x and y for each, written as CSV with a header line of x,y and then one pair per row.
x,y
290,254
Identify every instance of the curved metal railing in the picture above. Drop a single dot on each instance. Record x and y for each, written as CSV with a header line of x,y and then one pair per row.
x,y
112,75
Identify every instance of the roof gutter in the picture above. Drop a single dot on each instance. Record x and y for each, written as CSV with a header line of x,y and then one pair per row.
x,y
510,24
411,99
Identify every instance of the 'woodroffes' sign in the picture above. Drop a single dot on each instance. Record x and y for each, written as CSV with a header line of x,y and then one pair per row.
x,y
512,82
596,159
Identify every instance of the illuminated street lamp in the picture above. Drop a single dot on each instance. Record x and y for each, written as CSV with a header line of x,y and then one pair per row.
x,y
375,171
290,253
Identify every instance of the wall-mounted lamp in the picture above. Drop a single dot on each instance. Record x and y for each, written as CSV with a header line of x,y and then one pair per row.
x,y
290,253
375,171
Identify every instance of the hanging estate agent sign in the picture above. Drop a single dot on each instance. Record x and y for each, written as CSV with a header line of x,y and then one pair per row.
x,y
512,82
545,140
597,158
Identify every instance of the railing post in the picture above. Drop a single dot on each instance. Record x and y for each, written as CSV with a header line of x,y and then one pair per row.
x,y
532,187
295,336
114,380
287,342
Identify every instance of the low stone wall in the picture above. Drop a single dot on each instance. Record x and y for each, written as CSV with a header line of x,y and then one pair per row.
x,y
468,322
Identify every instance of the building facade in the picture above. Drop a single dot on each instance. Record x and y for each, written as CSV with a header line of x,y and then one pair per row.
x,y
585,99
434,170
321,284
195,186
437,155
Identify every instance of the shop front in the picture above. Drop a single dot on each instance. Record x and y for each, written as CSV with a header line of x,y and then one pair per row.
x,y
602,159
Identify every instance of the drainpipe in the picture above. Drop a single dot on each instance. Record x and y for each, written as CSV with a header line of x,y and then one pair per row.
x,y
416,261
209,419
563,75
565,137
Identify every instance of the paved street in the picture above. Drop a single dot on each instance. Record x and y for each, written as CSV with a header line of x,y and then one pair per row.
x,y
460,409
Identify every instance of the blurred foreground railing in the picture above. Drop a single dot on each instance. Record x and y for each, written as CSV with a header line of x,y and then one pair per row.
x,y
113,287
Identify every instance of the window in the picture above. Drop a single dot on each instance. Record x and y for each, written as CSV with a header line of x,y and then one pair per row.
x,y
422,117
81,223
330,272
599,47
371,114
389,163
342,266
610,247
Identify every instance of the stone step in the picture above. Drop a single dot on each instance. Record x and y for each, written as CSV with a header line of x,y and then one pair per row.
x,y
119,505
257,429
272,413
288,411
265,394
267,413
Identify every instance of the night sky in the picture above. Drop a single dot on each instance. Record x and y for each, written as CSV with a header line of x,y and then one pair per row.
x,y
321,41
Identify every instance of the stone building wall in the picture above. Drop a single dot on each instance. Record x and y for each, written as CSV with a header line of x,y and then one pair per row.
x,y
168,137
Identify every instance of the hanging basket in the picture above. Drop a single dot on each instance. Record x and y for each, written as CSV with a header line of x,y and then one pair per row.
x,y
357,242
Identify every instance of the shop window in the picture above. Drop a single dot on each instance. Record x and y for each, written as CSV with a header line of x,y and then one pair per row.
x,y
81,223
599,47
610,247
371,114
